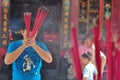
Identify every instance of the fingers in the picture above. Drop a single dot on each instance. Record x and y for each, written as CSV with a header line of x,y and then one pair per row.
x,y
29,42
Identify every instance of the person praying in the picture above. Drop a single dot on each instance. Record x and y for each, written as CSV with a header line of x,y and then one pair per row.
x,y
26,57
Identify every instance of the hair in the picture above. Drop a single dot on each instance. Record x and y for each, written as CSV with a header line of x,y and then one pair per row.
x,y
88,37
87,56
31,24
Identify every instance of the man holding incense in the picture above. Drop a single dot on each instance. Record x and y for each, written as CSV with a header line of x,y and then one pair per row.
x,y
26,57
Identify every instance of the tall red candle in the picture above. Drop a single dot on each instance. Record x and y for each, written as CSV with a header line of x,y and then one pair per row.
x,y
97,50
109,50
97,31
74,25
75,56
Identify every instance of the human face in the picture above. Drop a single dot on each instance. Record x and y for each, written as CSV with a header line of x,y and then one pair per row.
x,y
88,43
24,33
84,61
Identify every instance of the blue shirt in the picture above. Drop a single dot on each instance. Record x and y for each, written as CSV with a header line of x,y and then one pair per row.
x,y
28,65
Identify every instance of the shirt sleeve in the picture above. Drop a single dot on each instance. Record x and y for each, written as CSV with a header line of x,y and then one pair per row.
x,y
43,46
11,47
95,70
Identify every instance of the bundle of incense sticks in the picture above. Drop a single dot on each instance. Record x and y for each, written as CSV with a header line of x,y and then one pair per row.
x,y
40,17
27,20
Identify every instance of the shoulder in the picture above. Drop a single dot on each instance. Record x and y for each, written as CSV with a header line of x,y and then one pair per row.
x,y
40,43
15,42
102,54
90,65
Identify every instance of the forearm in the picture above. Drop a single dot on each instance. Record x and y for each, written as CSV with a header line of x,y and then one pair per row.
x,y
103,62
85,78
46,56
11,57
95,77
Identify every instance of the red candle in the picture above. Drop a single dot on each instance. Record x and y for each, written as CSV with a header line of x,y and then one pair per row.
x,y
97,37
109,50
74,25
75,56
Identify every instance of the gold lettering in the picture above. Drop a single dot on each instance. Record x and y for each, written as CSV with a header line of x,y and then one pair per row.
x,y
5,17
66,26
6,4
67,7
65,32
5,29
66,20
5,23
67,1
5,10
4,42
66,13
4,36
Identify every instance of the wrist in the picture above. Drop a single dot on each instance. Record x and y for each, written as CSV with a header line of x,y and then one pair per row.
x,y
24,46
33,45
